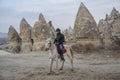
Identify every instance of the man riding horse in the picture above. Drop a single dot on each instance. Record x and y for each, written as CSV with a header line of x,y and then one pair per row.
x,y
53,56
59,40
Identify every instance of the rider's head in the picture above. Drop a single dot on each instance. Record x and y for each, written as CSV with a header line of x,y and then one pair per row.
x,y
58,30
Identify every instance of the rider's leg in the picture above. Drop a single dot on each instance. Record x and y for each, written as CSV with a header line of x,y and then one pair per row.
x,y
61,52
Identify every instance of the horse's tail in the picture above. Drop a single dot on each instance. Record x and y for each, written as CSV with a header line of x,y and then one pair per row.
x,y
71,52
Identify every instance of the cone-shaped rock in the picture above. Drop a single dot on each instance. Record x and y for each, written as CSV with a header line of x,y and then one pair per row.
x,y
42,19
85,25
68,34
14,39
110,29
110,24
25,30
40,32
13,35
114,12
25,34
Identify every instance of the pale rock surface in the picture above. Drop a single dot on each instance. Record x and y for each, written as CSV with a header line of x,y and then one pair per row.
x,y
109,29
85,25
25,34
14,40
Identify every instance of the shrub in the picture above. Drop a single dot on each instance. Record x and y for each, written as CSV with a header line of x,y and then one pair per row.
x,y
89,47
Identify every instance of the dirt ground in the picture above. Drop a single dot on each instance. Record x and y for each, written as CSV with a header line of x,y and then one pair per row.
x,y
35,66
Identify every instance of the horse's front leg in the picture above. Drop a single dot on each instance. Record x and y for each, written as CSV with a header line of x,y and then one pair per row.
x,y
57,62
51,64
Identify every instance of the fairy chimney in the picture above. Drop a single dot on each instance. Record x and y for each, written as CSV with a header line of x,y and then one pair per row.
x,y
110,29
25,34
14,40
85,26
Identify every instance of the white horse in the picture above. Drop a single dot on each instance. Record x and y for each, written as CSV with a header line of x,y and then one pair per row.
x,y
54,56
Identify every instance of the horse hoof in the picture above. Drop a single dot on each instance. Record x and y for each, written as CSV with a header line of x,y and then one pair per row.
x,y
49,73
72,69
61,69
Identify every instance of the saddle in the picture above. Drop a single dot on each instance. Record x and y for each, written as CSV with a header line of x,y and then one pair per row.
x,y
63,48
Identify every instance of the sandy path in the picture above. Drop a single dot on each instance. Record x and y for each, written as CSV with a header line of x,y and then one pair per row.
x,y
35,66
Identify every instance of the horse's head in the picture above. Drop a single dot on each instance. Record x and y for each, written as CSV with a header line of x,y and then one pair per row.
x,y
48,44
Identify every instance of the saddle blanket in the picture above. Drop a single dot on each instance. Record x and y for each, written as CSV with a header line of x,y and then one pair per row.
x,y
63,48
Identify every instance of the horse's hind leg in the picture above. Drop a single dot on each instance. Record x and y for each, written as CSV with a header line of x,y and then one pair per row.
x,y
71,60
72,64
57,63
62,64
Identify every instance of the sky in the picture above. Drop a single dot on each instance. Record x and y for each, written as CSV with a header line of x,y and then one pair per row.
x,y
62,13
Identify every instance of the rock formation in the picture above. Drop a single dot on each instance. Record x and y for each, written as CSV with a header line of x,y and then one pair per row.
x,y
40,32
25,34
40,29
85,32
31,39
14,40
25,30
68,34
85,25
109,29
